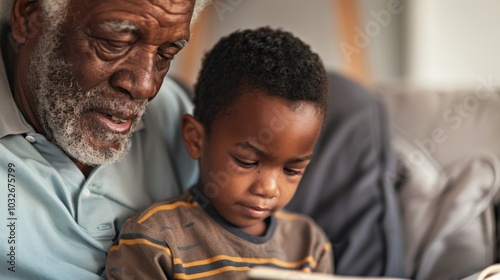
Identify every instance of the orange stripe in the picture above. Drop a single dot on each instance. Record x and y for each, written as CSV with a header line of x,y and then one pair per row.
x,y
286,216
327,247
138,241
274,261
178,261
209,273
166,208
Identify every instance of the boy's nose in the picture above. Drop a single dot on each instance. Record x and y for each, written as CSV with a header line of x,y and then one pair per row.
x,y
266,185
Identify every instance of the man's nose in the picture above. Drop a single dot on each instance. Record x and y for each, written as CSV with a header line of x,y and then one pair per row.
x,y
266,185
139,76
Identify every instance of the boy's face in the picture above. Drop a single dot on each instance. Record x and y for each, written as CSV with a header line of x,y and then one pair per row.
x,y
254,158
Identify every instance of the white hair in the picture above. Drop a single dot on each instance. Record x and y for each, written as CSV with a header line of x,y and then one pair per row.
x,y
198,8
54,11
118,26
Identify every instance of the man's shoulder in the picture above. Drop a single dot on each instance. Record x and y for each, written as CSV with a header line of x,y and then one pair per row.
x,y
19,148
171,96
164,112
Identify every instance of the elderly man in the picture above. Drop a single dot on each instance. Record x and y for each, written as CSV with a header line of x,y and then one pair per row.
x,y
76,79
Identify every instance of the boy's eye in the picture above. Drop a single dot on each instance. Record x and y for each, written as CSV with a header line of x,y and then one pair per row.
x,y
292,172
244,163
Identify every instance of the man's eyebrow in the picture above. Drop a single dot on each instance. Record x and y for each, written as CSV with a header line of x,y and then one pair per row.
x,y
180,43
118,26
121,26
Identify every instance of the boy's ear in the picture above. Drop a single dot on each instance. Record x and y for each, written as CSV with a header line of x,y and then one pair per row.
x,y
25,20
193,135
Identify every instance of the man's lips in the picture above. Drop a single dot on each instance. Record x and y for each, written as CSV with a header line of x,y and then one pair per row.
x,y
118,122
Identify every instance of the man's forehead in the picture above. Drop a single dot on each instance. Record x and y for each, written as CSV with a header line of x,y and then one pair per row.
x,y
142,16
170,6
136,11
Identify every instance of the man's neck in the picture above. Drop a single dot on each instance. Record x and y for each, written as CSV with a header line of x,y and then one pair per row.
x,y
84,168
8,55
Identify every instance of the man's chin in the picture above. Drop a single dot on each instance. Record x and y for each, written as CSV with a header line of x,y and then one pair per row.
x,y
97,153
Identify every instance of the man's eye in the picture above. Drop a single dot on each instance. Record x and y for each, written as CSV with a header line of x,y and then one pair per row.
x,y
114,46
245,164
111,49
292,172
165,56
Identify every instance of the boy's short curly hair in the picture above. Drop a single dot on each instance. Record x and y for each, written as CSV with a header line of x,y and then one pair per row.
x,y
271,60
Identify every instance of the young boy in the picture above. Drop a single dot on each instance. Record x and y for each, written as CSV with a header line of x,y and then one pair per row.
x,y
261,99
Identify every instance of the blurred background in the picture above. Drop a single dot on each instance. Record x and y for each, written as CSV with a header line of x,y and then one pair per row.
x,y
429,43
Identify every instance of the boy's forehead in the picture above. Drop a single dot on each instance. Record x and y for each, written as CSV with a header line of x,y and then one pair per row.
x,y
254,100
269,126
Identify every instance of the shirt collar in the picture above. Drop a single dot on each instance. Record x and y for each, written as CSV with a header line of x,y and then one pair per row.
x,y
11,120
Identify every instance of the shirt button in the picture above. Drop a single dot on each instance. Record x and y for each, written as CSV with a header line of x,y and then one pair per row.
x,y
86,193
104,226
30,139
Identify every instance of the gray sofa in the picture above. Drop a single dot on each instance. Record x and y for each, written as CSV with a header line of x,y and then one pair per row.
x,y
448,145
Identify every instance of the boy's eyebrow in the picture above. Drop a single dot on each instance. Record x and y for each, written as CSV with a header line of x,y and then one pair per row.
x,y
254,149
258,151
300,159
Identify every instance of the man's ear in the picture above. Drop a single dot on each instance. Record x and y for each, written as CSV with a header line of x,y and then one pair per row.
x,y
26,20
193,135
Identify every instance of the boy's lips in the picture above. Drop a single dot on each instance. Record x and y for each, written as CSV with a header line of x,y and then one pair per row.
x,y
256,211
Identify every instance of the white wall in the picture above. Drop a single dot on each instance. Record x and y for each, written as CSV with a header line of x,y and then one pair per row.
x,y
453,42
311,21
430,43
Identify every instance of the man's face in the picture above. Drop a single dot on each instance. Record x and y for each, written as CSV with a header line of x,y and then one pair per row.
x,y
254,158
91,83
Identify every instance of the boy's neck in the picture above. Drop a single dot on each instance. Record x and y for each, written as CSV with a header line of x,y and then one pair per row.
x,y
259,229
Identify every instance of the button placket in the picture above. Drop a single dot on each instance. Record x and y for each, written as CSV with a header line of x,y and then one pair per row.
x,y
95,213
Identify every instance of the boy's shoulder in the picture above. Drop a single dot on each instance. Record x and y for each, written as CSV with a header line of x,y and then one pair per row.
x,y
294,218
171,209
295,224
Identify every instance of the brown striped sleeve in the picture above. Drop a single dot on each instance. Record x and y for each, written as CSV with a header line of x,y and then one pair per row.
x,y
140,253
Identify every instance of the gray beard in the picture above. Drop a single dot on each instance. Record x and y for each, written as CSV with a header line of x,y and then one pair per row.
x,y
60,104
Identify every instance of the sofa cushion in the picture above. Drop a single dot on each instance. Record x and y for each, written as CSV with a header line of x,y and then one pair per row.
x,y
447,213
446,124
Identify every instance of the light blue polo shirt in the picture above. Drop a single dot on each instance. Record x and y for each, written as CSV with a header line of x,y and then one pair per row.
x,y
54,223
